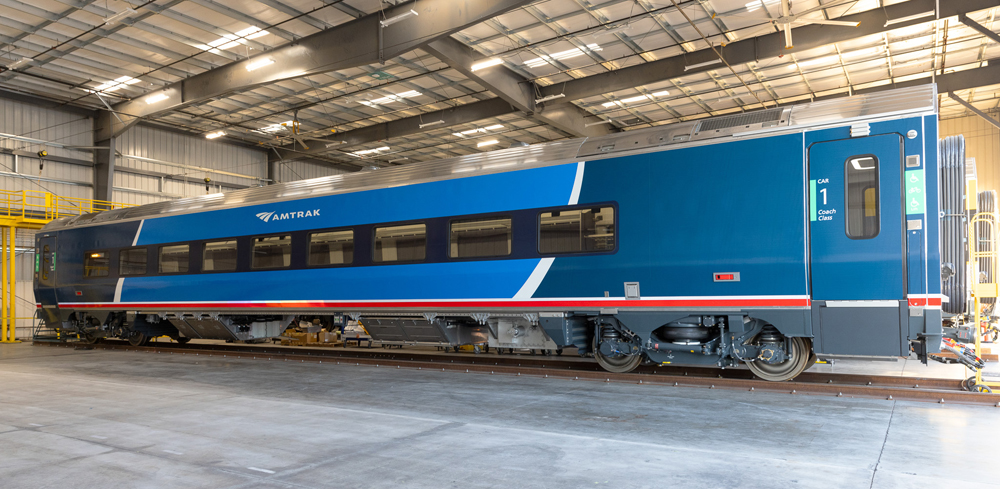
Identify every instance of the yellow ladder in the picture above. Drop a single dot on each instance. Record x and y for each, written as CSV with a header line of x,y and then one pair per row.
x,y
983,248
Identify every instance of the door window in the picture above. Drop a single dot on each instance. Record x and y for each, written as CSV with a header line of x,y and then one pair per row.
x,y
862,197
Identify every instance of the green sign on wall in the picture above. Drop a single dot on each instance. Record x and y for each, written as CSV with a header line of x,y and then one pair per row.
x,y
915,199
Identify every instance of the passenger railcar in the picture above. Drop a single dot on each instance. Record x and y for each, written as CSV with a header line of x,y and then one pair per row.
x,y
759,237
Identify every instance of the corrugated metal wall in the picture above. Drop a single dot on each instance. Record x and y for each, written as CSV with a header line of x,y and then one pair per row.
x,y
175,154
301,170
28,120
982,142
21,119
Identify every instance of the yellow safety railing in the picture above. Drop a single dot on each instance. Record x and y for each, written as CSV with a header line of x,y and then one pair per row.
x,y
36,205
30,209
984,251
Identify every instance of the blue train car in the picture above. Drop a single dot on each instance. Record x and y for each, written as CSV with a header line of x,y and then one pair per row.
x,y
761,238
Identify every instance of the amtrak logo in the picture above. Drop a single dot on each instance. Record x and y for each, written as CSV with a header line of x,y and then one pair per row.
x,y
275,216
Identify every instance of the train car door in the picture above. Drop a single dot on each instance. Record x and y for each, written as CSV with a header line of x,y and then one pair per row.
x,y
856,240
45,271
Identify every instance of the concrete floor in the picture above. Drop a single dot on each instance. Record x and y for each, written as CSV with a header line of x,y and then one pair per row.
x,y
101,419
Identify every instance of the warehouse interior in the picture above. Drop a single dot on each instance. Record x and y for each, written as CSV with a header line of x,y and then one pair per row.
x,y
118,104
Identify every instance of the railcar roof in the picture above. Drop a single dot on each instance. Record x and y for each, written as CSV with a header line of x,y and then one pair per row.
x,y
840,111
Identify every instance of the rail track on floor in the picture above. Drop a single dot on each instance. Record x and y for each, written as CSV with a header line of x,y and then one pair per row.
x,y
577,369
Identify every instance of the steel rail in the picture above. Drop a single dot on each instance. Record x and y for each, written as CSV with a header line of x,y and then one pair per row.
x,y
808,383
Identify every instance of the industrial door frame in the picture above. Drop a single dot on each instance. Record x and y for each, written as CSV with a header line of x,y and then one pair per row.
x,y
900,313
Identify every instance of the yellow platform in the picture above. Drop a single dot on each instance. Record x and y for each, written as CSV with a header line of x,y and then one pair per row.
x,y
31,209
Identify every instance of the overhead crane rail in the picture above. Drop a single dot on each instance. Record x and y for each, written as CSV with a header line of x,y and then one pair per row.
x,y
31,209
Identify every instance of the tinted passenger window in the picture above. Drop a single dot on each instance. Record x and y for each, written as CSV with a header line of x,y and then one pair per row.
x,y
577,230
862,197
331,248
219,256
132,261
401,243
480,237
96,264
272,252
174,259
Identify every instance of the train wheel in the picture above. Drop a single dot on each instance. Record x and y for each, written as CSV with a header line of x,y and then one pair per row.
x,y
137,339
812,360
618,364
89,339
789,369
183,340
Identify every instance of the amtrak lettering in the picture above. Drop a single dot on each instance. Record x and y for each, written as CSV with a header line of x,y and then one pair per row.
x,y
274,216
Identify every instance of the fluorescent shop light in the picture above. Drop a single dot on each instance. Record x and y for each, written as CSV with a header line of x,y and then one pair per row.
x,y
549,97
403,16
260,63
487,143
569,53
160,97
486,64
429,124
213,135
19,63
908,18
701,65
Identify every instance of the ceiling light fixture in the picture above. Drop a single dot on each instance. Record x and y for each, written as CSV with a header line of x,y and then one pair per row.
x,y
399,159
275,127
403,16
260,63
486,64
19,63
115,84
213,135
609,121
334,143
229,41
701,65
391,98
494,127
908,18
487,143
549,97
429,124
114,19
160,97
370,151
569,53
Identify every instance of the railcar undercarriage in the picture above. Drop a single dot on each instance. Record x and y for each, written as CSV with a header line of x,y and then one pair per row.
x,y
619,343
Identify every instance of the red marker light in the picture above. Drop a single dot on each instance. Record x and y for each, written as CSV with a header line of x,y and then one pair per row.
x,y
724,276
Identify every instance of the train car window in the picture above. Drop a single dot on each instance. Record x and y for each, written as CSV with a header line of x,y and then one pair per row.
x,y
577,231
862,197
331,248
96,264
174,259
272,252
480,237
219,256
400,243
132,261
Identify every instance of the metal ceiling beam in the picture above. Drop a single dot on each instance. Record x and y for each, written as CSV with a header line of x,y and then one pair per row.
x,y
979,27
757,48
463,114
974,110
950,82
355,43
515,89
753,49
